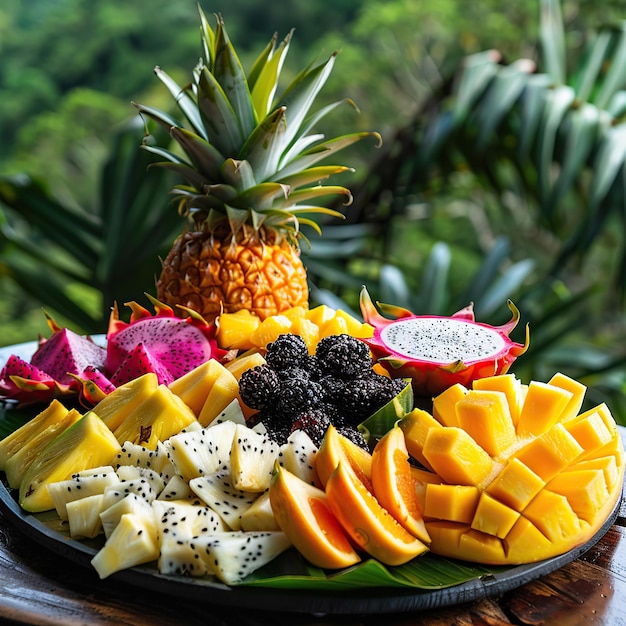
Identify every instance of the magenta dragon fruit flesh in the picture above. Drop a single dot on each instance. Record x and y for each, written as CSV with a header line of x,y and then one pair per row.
x,y
163,343
53,369
436,352
68,364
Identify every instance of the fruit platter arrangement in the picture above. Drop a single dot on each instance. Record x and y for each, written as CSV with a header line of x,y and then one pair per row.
x,y
238,436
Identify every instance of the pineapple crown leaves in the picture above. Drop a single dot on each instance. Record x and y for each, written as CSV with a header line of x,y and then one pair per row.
x,y
243,148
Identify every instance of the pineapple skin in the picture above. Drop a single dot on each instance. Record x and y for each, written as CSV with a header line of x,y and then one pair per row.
x,y
213,273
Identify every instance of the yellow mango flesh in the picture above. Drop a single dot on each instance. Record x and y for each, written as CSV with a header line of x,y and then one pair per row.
x,y
507,384
543,406
444,404
503,491
454,503
456,457
485,415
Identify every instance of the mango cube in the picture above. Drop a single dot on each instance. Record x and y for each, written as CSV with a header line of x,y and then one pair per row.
x,y
516,485
455,503
590,431
444,405
553,515
608,465
456,457
493,517
509,385
585,490
525,543
543,406
485,415
577,389
549,454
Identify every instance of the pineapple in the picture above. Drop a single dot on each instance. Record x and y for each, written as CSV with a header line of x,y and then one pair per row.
x,y
251,179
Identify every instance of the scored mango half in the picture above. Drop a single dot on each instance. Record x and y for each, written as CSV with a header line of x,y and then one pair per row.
x,y
514,473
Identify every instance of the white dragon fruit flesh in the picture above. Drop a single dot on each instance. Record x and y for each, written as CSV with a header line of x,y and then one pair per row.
x,y
231,556
436,352
228,502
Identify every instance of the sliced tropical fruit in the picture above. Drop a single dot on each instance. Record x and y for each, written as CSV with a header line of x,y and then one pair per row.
x,y
368,523
234,329
499,496
51,415
336,448
193,387
87,444
159,416
302,511
123,400
394,485
21,459
222,392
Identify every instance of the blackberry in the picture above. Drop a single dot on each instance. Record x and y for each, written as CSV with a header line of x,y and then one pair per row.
x,y
297,395
344,356
332,389
314,422
278,428
354,435
360,400
286,351
259,387
292,373
314,367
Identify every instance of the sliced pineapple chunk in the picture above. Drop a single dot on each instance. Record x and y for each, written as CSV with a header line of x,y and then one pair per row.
x,y
159,416
88,443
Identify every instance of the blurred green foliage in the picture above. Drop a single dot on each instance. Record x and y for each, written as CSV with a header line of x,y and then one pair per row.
x,y
442,213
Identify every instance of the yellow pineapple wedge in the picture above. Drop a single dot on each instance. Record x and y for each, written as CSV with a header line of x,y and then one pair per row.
x,y
159,416
252,179
518,475
57,419
195,386
52,414
123,400
88,443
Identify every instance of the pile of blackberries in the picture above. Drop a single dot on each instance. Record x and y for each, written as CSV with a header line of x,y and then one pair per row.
x,y
296,390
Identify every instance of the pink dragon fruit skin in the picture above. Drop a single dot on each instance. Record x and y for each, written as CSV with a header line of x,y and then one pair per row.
x,y
27,384
437,352
171,346
66,353
139,361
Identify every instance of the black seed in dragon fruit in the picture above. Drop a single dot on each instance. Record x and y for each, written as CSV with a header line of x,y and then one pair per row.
x,y
66,353
162,343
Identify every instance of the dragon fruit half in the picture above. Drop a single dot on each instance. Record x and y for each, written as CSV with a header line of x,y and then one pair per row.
x,y
53,369
69,364
436,352
163,343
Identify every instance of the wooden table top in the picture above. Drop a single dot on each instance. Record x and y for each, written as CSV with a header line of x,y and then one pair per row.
x,y
40,587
